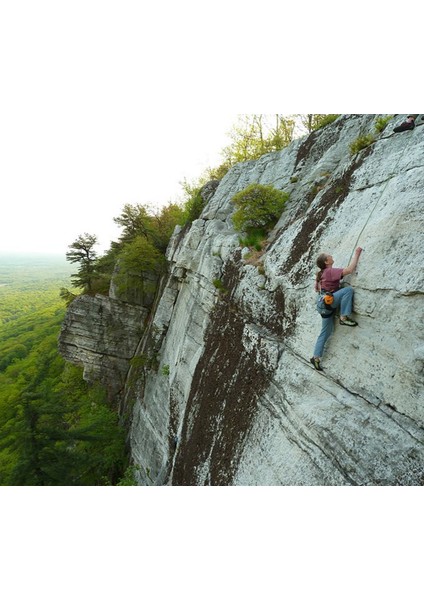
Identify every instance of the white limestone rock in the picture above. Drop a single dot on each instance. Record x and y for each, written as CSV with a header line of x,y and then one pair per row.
x,y
101,335
238,402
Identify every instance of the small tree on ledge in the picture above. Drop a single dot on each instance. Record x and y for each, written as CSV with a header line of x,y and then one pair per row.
x,y
81,251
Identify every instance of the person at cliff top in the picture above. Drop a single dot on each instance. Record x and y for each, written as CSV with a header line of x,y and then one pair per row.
x,y
328,280
408,124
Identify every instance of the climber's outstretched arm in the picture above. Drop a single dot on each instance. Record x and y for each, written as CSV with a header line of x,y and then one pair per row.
x,y
354,262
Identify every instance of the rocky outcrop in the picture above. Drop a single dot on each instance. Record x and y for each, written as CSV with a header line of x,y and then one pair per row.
x,y
233,399
101,334
220,389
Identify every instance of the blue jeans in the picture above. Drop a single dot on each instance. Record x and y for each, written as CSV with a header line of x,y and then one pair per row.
x,y
344,299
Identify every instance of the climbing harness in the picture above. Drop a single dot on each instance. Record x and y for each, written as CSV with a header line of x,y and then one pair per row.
x,y
324,304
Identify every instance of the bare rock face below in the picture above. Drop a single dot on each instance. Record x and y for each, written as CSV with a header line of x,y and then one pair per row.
x,y
101,334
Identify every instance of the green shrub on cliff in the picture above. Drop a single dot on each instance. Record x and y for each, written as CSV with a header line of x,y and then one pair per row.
x,y
254,239
381,123
258,207
361,142
321,121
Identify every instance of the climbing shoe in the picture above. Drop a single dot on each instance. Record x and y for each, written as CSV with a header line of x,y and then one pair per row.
x,y
316,363
348,322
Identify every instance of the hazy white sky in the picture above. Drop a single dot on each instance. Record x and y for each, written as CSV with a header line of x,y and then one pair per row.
x,y
109,102
102,104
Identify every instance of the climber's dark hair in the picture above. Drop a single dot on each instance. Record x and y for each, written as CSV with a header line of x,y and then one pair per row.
x,y
321,265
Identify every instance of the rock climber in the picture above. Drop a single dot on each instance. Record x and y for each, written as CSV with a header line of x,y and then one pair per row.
x,y
328,280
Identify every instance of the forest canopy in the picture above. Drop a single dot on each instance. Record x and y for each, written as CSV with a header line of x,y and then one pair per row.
x,y
55,429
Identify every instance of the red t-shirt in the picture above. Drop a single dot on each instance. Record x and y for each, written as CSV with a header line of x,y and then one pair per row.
x,y
330,280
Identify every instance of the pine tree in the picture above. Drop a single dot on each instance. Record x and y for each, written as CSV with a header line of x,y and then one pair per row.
x,y
82,252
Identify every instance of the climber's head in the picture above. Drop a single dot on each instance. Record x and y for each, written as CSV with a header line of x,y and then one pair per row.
x,y
324,260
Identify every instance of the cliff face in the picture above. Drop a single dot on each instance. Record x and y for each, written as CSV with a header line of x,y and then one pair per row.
x,y
223,392
101,334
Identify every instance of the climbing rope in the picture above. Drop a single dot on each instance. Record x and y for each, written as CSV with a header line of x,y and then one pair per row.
x,y
377,201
